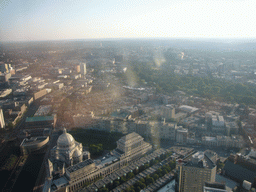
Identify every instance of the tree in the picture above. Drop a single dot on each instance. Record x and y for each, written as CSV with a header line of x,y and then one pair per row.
x,y
142,185
159,172
122,180
130,189
130,175
104,189
96,149
142,180
172,164
116,183
137,189
155,176
149,180
10,125
164,172
220,165
146,166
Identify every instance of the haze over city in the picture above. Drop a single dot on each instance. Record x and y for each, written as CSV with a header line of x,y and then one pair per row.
x,y
35,20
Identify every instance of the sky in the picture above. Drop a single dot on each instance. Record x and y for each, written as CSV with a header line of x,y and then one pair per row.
x,y
35,20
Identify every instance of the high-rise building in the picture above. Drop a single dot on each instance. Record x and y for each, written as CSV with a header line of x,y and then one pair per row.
x,y
193,174
2,122
4,68
78,68
168,112
83,69
181,135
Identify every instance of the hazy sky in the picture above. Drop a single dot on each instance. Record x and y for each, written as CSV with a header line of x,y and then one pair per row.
x,y
83,19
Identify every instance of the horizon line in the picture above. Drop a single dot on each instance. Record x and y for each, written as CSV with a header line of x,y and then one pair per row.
x,y
132,38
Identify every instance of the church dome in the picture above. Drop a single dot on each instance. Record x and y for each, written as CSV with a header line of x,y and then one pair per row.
x,y
65,141
77,153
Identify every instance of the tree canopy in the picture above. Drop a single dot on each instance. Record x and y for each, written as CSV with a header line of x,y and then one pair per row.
x,y
166,81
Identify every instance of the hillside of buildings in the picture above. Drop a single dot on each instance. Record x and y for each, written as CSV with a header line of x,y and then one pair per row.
x,y
166,81
82,105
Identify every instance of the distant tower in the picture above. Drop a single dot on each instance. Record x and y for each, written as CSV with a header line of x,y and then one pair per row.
x,y
78,68
168,112
83,69
2,122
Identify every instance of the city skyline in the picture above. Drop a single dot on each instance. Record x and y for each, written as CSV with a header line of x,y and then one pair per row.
x,y
53,20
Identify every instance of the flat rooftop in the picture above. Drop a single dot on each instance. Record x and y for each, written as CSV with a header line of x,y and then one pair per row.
x,y
201,161
40,118
80,165
107,161
60,182
33,140
230,184
188,108
43,110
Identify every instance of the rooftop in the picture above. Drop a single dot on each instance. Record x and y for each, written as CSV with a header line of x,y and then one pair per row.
x,y
230,184
201,161
43,110
188,108
33,140
130,138
60,182
40,118
239,172
107,161
80,165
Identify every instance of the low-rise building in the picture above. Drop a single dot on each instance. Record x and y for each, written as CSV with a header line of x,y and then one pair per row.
x,y
235,141
214,187
41,122
33,144
240,168
231,128
43,110
188,109
218,123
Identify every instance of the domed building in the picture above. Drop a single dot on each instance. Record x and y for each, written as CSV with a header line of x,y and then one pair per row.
x,y
67,150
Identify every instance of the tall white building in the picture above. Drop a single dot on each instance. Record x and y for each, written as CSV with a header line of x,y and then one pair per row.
x,y
168,112
83,69
2,122
181,135
218,123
